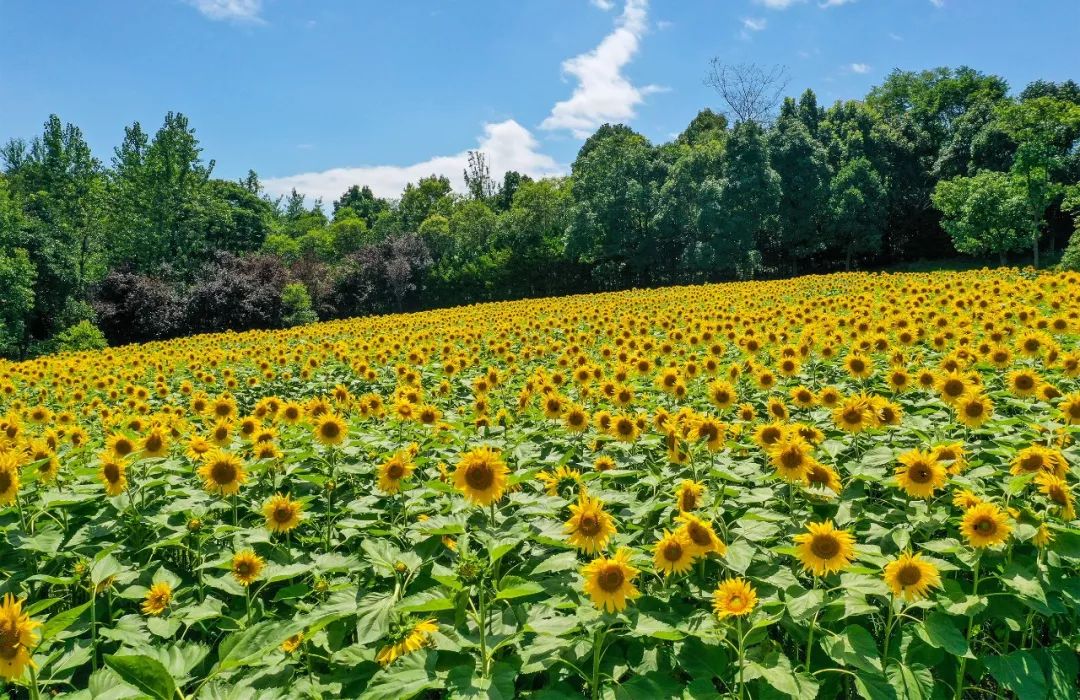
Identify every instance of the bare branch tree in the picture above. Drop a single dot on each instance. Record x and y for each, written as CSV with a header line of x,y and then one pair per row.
x,y
751,91
478,176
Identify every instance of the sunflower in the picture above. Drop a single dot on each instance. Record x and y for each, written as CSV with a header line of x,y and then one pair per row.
x,y
113,474
953,453
155,444
157,599
120,445
247,566
395,470
604,463
576,419
589,526
854,415
17,638
1043,536
561,482
222,473
710,431
292,643
688,495
1058,491
197,447
330,429
1035,459
858,365
290,413
1023,382
791,458
624,428
823,549
609,582
1070,408
973,409
920,474
911,576
734,597
820,476
965,499
411,638
700,534
985,525
722,394
829,397
769,434
282,513
672,554
9,478
481,475
802,397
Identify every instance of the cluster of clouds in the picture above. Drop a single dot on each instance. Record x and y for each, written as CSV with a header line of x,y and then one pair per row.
x,y
602,93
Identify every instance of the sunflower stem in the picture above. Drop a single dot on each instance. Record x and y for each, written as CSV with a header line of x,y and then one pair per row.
x,y
810,635
889,626
598,654
482,623
34,693
742,661
247,605
970,628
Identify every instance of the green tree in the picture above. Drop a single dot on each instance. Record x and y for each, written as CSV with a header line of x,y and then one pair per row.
x,y
296,306
17,276
801,165
534,230
1045,131
361,202
984,214
431,195
857,202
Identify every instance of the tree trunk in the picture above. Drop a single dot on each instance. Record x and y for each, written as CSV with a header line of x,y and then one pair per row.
x,y
1035,247
1001,258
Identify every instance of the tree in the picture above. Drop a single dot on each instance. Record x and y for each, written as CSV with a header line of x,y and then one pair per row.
x,y
431,195
296,309
237,293
750,91
534,230
512,180
801,165
856,209
706,126
1045,131
737,214
614,180
478,180
983,214
17,277
360,202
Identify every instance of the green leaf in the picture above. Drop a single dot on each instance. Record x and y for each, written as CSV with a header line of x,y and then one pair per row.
x,y
373,616
61,621
854,647
103,568
145,673
939,631
913,682
465,684
254,643
873,686
1019,672
517,587
776,670
403,679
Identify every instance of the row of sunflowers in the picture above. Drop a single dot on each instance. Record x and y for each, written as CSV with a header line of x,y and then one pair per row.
x,y
854,485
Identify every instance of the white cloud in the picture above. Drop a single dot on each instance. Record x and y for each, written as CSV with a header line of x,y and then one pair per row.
x,y
507,145
860,68
938,3
603,93
604,4
754,24
236,10
835,3
778,4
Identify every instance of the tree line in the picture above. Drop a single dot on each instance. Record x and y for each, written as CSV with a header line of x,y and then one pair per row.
x,y
152,245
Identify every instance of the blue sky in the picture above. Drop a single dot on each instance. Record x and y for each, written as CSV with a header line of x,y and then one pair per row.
x,y
322,94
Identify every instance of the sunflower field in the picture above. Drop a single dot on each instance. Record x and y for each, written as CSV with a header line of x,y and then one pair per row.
x,y
854,485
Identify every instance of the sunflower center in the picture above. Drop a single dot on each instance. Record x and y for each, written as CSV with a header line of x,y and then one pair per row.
x,y
689,500
985,526
852,416
223,472
625,427
330,430
589,525
857,366
1031,463
909,575
243,568
611,579
920,473
1024,382
673,551
153,443
791,459
112,473
9,642
953,387
395,471
480,477
736,602
283,514
699,534
825,546
5,481
123,447
974,409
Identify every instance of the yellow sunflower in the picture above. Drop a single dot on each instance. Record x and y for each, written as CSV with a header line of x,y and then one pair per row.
x,y
222,473
282,513
965,499
920,474
1058,491
17,638
589,526
395,470
9,478
330,429
791,458
734,597
412,639
481,475
1070,408
113,474
562,482
1035,459
820,476
700,534
247,566
985,525
609,581
823,549
157,599
688,495
973,409
673,554
911,576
